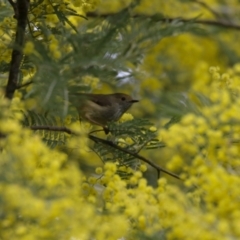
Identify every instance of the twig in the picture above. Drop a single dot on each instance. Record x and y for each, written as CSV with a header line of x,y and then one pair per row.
x,y
53,128
205,5
109,143
220,23
15,9
21,11
24,85
29,27
216,23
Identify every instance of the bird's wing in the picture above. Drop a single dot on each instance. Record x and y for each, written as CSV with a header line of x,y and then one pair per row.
x,y
100,100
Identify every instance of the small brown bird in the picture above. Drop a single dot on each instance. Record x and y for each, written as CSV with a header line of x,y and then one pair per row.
x,y
102,108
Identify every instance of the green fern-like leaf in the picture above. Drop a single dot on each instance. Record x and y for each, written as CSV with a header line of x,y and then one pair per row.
x,y
141,138
51,138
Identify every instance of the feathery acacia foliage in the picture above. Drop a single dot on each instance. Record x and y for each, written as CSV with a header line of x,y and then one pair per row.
x,y
148,49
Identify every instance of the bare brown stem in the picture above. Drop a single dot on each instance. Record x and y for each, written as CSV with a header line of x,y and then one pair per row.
x,y
219,23
21,11
136,155
109,143
24,85
53,128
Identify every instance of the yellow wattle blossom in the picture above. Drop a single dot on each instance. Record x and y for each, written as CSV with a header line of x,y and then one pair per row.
x,y
92,180
29,48
121,142
91,81
143,168
126,117
153,129
213,69
175,163
52,20
98,170
129,140
37,11
203,148
68,120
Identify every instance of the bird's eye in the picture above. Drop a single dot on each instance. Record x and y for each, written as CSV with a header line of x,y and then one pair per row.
x,y
123,98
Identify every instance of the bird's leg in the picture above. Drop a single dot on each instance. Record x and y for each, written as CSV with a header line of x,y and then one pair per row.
x,y
106,129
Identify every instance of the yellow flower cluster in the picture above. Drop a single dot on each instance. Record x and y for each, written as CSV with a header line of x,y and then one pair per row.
x,y
166,207
91,81
29,48
168,64
58,202
55,194
54,47
7,27
50,187
205,149
90,5
174,8
126,117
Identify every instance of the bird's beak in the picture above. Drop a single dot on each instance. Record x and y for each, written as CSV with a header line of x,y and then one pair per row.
x,y
133,101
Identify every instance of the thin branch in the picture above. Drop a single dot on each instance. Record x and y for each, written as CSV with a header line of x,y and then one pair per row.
x,y
24,85
21,11
15,9
205,5
216,23
29,27
109,143
53,128
219,23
